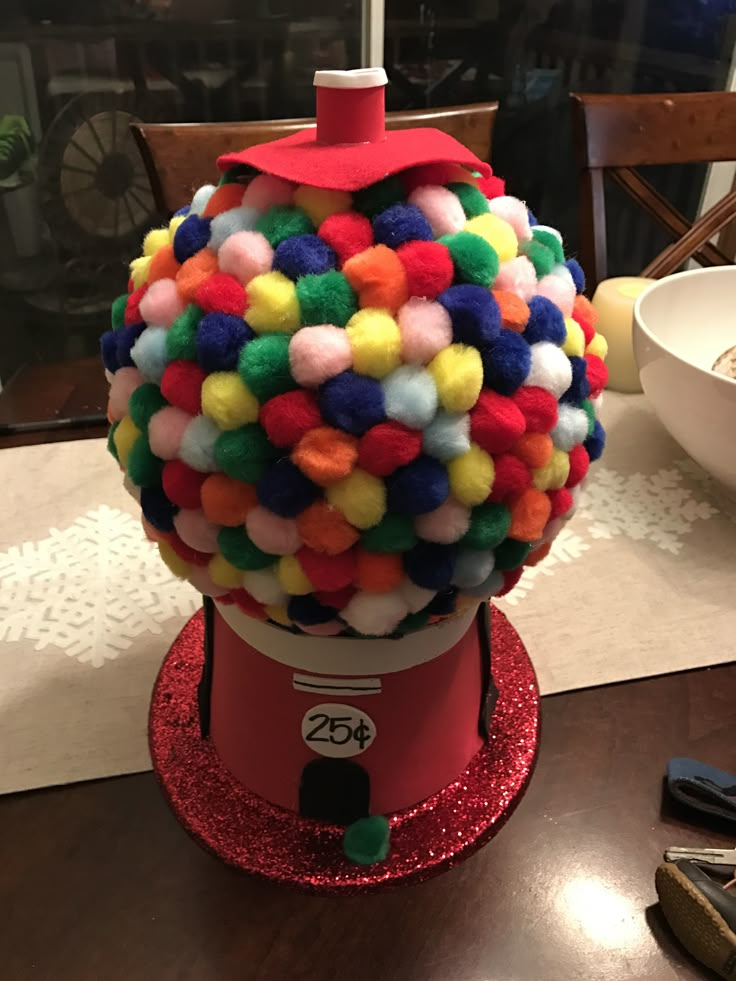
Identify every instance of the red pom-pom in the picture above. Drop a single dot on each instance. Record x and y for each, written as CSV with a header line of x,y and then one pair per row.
x,y
133,306
429,268
597,374
286,418
492,187
512,476
327,572
510,579
495,422
585,314
338,599
387,446
245,602
181,385
348,233
221,293
184,551
561,502
182,485
579,463
538,407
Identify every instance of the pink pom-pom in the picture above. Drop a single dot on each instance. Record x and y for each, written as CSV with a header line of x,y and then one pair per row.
x,y
425,328
441,208
166,430
517,276
124,383
329,629
514,212
195,530
161,304
272,533
559,291
200,579
319,353
265,191
446,524
245,255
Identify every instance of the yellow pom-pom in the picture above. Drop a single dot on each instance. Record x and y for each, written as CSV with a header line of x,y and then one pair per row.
x,y
174,225
124,437
458,375
139,270
497,233
227,400
279,615
319,203
273,307
471,476
156,239
554,474
360,497
599,346
292,577
177,565
375,340
574,345
223,573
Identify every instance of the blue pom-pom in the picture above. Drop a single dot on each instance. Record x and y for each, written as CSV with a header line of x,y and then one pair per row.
x,y
595,443
242,219
578,276
506,363
429,565
580,386
401,223
476,318
303,255
109,349
285,490
532,220
308,610
410,396
419,487
182,211
158,509
220,339
352,402
192,235
546,322
443,604
149,354
125,339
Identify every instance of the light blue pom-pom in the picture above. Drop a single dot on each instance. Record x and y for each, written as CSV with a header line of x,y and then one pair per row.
x,y
410,396
198,444
149,354
472,568
571,428
242,219
447,436
200,199
489,587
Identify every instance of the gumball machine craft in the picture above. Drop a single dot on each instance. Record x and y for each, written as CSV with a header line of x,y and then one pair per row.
x,y
354,388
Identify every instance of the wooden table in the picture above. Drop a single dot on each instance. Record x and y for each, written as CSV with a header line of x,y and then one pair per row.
x,y
98,882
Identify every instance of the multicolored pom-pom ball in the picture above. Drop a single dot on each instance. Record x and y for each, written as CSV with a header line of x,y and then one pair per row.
x,y
354,414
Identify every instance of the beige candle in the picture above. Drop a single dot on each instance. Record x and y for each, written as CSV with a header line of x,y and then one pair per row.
x,y
614,301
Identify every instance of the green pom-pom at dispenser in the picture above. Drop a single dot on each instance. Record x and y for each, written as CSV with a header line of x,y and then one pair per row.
x,y
244,453
117,314
371,201
181,337
539,255
282,222
510,554
264,366
489,525
367,841
240,551
393,533
551,242
144,467
475,260
472,199
144,403
326,298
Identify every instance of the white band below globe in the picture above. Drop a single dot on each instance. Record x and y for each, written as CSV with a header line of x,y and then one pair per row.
x,y
347,655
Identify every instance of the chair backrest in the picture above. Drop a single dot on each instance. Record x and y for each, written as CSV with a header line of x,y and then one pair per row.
x,y
616,133
181,156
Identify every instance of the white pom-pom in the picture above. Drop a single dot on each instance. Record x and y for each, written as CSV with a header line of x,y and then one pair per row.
x,y
201,197
410,396
571,428
377,614
264,587
416,597
550,370
472,567
198,444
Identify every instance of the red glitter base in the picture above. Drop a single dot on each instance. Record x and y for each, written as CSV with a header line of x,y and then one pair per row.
x,y
247,832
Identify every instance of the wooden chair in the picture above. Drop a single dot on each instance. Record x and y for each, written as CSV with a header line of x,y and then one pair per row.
x,y
616,133
181,156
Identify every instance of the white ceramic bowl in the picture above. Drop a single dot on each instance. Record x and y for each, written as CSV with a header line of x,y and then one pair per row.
x,y
681,325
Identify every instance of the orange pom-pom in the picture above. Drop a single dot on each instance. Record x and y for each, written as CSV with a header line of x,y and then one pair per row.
x,y
379,572
586,315
325,529
530,512
163,264
326,455
194,272
535,449
514,312
226,501
226,197
378,276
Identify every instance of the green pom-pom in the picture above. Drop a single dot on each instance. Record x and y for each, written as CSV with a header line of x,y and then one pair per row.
x,y
144,467
510,554
474,259
244,453
111,447
282,222
414,621
590,412
117,312
145,402
393,533
489,525
542,258
264,366
327,298
240,551
233,174
367,841
181,337
551,241
474,202
371,201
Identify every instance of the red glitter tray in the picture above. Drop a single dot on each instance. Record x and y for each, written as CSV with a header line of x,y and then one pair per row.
x,y
247,832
